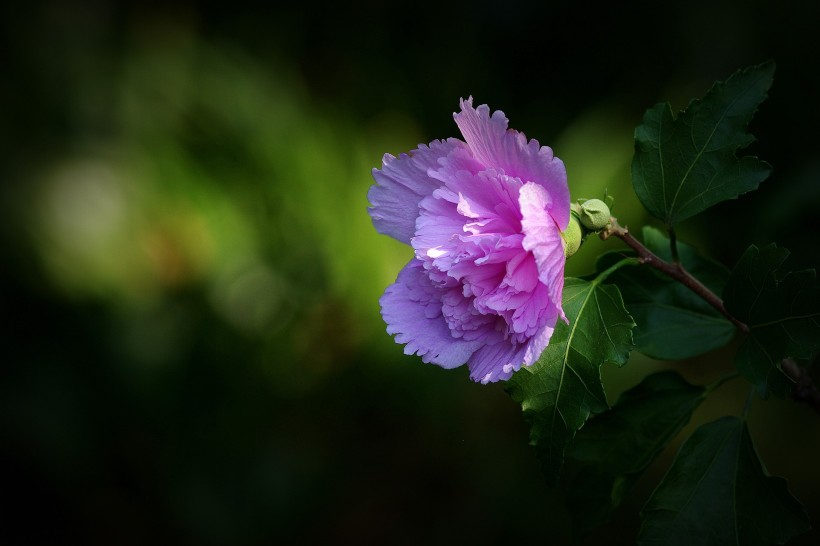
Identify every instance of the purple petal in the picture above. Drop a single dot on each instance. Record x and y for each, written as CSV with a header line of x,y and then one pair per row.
x,y
401,184
542,237
466,322
495,362
498,362
412,309
539,342
497,147
437,228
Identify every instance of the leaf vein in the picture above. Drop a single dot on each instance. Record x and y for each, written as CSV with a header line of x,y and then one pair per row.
x,y
705,145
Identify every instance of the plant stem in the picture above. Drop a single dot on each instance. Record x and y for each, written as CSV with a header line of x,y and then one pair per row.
x,y
673,270
804,390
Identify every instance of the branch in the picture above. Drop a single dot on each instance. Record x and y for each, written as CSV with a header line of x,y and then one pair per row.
x,y
673,270
804,389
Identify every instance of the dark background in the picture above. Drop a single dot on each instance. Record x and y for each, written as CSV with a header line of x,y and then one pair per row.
x,y
192,350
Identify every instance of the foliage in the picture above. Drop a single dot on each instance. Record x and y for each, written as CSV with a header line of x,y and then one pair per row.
x,y
717,490
612,451
672,322
684,166
782,310
559,392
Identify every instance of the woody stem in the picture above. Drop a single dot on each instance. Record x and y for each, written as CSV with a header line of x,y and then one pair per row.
x,y
674,270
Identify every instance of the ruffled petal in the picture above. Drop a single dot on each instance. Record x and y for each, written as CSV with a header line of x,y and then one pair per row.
x,y
466,322
412,309
400,186
496,362
542,237
497,147
539,342
479,190
437,228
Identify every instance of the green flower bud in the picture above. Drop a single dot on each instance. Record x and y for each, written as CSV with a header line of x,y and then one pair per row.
x,y
573,236
594,214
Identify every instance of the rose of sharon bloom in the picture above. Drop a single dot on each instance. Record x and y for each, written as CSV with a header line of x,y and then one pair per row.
x,y
484,218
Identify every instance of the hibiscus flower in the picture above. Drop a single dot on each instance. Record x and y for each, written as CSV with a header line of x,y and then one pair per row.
x,y
484,217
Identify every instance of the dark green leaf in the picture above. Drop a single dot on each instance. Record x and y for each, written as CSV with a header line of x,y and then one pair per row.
x,y
559,391
613,449
718,492
672,322
683,166
782,310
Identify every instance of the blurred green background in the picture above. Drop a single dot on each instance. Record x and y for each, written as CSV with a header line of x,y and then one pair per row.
x,y
192,349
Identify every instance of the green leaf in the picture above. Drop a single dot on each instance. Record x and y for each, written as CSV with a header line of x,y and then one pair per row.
x,y
782,311
718,492
672,322
614,448
558,392
683,166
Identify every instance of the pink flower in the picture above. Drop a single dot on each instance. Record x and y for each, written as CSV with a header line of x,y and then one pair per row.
x,y
484,218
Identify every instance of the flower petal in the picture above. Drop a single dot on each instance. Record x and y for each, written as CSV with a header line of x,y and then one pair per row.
x,y
539,342
401,184
412,309
542,237
497,147
496,362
